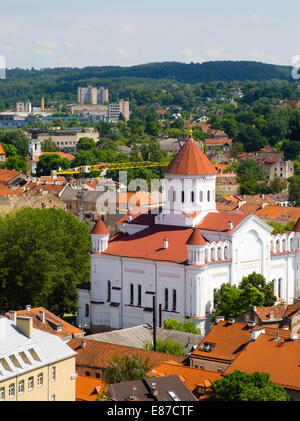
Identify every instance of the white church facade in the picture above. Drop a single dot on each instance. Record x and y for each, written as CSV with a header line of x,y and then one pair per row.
x,y
182,254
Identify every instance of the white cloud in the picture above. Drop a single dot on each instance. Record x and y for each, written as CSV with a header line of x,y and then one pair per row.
x,y
6,48
121,51
128,30
98,49
255,17
84,26
275,19
190,55
46,44
42,52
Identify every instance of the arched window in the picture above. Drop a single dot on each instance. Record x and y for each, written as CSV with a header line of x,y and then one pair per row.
x,y
174,300
182,196
279,288
108,291
201,196
131,294
87,310
174,196
166,298
192,196
208,196
139,295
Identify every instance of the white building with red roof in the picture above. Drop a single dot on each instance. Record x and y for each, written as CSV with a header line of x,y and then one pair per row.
x,y
182,253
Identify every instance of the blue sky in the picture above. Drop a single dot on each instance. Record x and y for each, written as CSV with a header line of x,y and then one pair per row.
x,y
128,32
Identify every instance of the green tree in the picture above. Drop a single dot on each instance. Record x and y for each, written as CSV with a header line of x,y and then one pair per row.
x,y
167,346
17,138
50,162
185,326
126,368
16,162
43,255
294,190
240,386
258,281
249,170
49,146
277,185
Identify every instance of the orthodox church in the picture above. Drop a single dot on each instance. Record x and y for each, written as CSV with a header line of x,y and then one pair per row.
x,y
181,254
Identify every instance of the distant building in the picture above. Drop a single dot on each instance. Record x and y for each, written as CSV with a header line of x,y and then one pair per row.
x,y
91,95
273,167
114,111
34,365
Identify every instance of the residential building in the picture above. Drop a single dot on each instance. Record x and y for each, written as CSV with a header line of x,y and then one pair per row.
x,y
272,351
221,143
34,365
166,389
183,251
46,321
197,381
92,95
114,111
273,167
93,356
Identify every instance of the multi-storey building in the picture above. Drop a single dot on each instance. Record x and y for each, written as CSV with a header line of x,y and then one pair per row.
x,y
114,111
34,365
91,95
182,253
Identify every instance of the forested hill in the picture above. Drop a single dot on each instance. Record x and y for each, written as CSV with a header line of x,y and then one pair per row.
x,y
226,71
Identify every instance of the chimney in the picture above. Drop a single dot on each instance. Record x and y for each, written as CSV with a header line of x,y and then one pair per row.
x,y
154,390
28,307
294,336
231,321
166,244
230,225
13,315
42,316
285,327
219,319
255,333
271,315
25,325
129,218
83,344
251,324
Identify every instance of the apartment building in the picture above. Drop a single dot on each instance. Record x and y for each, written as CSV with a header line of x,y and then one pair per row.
x,y
114,111
92,95
34,365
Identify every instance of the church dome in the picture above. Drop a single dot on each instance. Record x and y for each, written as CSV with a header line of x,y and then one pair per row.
x,y
100,228
190,160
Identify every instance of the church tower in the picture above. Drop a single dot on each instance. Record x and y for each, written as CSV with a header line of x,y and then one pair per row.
x,y
189,187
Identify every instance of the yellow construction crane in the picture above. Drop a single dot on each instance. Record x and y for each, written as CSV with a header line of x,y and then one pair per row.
x,y
103,167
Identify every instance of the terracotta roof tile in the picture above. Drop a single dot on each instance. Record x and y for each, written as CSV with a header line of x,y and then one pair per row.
x,y
87,388
99,228
278,358
7,175
51,320
219,221
99,354
190,376
190,160
280,213
196,238
297,226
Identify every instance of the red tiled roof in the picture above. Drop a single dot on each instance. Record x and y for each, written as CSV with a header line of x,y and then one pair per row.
x,y
87,388
284,213
51,320
99,354
280,359
219,221
6,191
7,175
99,228
190,160
218,142
69,156
196,238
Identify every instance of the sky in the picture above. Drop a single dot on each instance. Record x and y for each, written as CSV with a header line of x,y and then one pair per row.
x,y
82,33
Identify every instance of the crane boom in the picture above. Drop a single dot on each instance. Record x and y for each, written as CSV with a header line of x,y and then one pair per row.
x,y
102,167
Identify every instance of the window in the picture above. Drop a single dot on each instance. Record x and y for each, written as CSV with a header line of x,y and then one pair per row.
x,y
201,196
174,300
192,197
53,371
40,380
98,375
2,393
87,373
87,310
182,196
139,295
166,298
30,383
279,287
21,387
131,294
108,291
208,196
11,390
